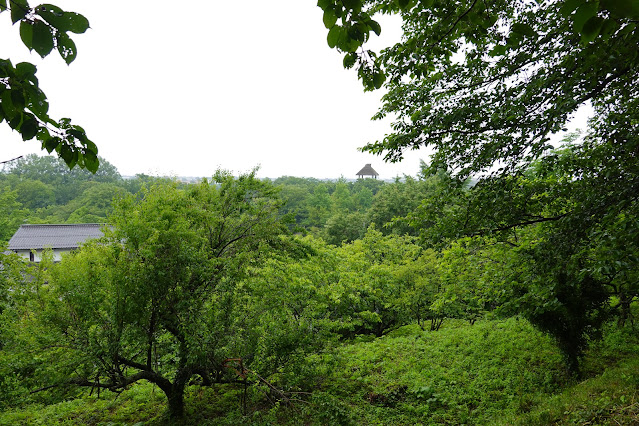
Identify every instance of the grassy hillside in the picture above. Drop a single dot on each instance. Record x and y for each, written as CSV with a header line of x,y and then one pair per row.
x,y
490,373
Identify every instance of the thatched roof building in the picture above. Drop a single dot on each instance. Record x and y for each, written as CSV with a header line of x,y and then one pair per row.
x,y
367,171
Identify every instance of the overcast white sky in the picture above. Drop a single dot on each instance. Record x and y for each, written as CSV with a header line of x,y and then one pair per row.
x,y
182,89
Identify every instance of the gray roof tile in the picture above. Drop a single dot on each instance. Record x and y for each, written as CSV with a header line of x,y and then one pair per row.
x,y
30,237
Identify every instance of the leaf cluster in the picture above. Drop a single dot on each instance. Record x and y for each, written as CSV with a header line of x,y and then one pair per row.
x,y
23,105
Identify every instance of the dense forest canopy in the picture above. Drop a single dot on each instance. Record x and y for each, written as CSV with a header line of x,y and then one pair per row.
x,y
325,262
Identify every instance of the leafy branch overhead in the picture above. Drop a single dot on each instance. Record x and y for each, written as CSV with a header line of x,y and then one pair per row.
x,y
23,105
484,82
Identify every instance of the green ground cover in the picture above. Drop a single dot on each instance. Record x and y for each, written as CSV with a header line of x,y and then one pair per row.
x,y
489,373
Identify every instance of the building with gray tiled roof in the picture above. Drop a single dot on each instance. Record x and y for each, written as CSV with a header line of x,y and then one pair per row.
x,y
30,240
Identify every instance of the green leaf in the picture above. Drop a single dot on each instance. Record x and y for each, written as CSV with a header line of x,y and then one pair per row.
x,y
78,134
6,68
514,40
14,123
42,38
25,69
403,4
378,79
569,6
19,9
51,143
26,34
375,27
323,4
582,15
352,4
63,21
76,22
66,47
74,159
329,18
333,36
43,135
91,161
357,32
29,127
348,44
523,29
90,146
349,60
498,50
17,98
66,153
622,8
53,15
37,102
3,7
591,29
7,104
609,27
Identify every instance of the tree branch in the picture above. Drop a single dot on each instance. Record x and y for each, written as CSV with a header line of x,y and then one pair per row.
x,y
450,30
523,223
13,159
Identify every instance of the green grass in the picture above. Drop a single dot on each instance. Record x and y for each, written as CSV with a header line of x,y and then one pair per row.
x,y
494,372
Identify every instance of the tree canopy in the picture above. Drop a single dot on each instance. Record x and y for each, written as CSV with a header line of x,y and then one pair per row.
x,y
23,104
486,82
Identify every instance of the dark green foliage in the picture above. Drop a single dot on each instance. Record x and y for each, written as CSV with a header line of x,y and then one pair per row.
x,y
573,315
23,105
515,84
47,191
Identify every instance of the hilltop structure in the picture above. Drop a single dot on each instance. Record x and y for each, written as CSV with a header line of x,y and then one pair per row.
x,y
367,171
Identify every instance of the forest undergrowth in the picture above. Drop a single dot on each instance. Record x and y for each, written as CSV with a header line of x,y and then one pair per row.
x,y
492,372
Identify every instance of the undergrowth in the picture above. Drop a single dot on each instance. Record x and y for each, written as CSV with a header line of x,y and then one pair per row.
x,y
484,374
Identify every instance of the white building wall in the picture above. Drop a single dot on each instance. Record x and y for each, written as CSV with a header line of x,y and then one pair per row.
x,y
37,257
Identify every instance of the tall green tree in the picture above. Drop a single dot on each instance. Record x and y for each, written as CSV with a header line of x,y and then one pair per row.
x,y
23,105
68,183
158,298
